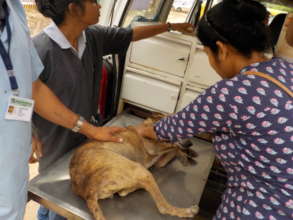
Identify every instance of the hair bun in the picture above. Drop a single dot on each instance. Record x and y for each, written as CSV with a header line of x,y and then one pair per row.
x,y
45,7
247,10
54,9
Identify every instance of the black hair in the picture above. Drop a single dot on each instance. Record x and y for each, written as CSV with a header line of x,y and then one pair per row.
x,y
276,26
239,23
55,9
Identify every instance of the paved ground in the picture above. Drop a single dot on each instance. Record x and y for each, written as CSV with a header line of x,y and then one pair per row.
x,y
36,21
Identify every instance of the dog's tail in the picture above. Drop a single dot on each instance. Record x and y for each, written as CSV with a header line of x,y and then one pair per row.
x,y
94,207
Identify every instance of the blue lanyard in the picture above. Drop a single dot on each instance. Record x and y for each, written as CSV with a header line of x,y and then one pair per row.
x,y
7,59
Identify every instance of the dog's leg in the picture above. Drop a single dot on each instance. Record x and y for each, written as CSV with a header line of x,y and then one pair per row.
x,y
94,207
148,183
165,159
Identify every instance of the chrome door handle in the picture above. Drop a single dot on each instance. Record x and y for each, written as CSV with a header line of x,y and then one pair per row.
x,y
182,59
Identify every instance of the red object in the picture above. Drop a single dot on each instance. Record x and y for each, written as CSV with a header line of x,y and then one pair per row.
x,y
103,93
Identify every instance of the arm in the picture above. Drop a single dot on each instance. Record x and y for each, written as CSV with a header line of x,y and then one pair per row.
x,y
206,114
146,131
117,40
142,32
48,106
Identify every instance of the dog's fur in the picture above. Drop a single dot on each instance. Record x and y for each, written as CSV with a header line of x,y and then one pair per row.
x,y
98,170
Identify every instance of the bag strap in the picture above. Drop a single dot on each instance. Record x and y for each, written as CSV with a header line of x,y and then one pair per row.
x,y
273,80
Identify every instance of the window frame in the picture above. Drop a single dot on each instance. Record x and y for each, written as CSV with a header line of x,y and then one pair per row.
x,y
164,10
128,7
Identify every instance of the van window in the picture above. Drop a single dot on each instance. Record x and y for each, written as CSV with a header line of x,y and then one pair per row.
x,y
180,10
189,10
143,11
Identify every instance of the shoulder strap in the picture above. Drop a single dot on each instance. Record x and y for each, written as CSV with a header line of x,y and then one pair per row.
x,y
273,80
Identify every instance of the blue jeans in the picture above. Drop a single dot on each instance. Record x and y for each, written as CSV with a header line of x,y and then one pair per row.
x,y
46,214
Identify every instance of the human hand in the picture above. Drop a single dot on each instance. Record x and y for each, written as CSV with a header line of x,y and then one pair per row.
x,y
184,28
146,130
36,150
105,133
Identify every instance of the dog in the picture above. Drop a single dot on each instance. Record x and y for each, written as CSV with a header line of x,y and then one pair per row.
x,y
98,170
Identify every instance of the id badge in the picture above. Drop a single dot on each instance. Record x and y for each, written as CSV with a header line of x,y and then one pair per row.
x,y
19,109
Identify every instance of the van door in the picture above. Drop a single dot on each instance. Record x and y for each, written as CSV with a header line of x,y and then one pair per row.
x,y
169,70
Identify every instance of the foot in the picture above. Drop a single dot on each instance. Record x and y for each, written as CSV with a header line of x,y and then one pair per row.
x,y
180,212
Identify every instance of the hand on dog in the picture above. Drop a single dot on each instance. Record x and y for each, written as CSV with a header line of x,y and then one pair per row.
x,y
105,134
146,130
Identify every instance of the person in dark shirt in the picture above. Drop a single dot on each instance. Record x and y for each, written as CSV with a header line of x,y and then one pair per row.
x,y
71,50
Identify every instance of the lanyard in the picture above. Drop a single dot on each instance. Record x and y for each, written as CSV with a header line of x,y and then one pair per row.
x,y
7,59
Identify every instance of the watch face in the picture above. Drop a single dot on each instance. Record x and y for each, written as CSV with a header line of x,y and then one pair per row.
x,y
78,124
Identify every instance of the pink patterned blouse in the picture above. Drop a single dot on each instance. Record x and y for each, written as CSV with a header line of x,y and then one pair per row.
x,y
252,120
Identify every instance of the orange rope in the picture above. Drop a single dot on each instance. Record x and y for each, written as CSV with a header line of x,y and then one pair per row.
x,y
273,80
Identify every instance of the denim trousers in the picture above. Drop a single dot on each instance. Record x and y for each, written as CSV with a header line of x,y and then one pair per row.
x,y
46,214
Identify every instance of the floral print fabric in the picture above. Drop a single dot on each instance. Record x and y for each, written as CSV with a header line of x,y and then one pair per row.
x,y
252,122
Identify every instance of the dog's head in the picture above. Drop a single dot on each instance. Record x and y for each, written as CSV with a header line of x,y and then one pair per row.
x,y
153,118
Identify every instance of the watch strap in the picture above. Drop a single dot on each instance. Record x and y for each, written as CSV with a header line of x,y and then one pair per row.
x,y
78,124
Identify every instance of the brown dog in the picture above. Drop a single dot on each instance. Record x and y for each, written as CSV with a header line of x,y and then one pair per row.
x,y
98,170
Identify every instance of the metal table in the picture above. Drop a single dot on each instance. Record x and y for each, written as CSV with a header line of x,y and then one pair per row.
x,y
182,186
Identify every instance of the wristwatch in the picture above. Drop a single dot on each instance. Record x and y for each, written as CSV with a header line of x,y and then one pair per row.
x,y
78,124
169,26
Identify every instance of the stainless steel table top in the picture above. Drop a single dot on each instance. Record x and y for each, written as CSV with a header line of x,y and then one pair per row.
x,y
182,186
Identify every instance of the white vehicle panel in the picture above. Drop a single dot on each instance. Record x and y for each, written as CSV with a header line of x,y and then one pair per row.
x,y
150,92
161,54
188,97
200,70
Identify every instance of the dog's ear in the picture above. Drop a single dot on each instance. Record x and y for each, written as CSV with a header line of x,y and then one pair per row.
x,y
148,122
156,116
